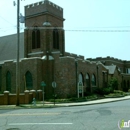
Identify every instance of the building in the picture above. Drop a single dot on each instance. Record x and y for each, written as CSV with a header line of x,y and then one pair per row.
x,y
43,58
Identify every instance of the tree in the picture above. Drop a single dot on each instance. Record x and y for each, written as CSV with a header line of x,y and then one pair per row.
x,y
113,83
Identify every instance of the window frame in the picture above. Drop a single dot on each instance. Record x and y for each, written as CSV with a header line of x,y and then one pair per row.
x,y
35,38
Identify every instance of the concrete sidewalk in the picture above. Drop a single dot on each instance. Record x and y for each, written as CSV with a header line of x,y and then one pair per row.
x,y
98,101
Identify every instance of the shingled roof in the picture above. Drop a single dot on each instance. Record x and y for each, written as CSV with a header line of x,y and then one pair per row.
x,y
111,69
8,47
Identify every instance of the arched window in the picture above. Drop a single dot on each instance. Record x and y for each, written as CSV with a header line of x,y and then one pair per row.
x,y
87,80
81,78
8,81
93,80
38,38
29,80
55,39
35,38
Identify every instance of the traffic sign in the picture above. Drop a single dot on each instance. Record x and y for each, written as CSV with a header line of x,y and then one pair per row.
x,y
43,84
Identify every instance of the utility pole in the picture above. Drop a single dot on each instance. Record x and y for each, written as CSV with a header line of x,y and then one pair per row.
x,y
17,63
76,71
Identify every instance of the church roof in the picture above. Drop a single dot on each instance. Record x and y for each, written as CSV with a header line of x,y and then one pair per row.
x,y
111,68
8,47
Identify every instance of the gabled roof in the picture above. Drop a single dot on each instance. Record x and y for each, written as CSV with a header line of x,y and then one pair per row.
x,y
111,69
8,47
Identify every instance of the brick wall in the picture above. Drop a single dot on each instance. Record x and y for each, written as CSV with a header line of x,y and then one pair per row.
x,y
24,98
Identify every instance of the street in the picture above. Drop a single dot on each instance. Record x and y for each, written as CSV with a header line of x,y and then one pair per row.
x,y
90,117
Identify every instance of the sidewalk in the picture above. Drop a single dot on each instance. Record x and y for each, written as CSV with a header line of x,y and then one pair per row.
x,y
47,105
98,101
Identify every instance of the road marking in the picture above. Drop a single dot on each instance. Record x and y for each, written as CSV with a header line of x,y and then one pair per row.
x,y
30,114
41,124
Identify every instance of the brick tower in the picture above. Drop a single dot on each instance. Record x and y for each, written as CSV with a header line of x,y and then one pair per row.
x,y
44,29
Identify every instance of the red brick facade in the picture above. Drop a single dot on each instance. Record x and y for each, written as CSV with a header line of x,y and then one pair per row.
x,y
50,64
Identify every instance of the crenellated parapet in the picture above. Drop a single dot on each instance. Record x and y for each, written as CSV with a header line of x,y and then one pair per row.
x,y
43,7
105,59
74,55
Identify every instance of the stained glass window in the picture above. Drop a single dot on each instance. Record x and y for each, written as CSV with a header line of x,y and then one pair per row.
x,y
29,80
8,81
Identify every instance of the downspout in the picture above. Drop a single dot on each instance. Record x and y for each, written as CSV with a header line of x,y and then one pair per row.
x,y
97,77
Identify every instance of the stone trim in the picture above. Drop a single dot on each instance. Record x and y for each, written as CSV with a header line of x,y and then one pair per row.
x,y
34,53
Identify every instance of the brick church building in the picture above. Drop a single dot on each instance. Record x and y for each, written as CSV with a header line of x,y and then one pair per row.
x,y
43,58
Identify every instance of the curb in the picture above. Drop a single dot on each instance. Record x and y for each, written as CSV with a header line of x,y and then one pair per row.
x,y
60,105
93,103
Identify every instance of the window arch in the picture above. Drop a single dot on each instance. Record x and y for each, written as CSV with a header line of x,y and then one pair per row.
x,y
93,80
55,39
38,38
29,80
8,81
81,78
87,80
35,38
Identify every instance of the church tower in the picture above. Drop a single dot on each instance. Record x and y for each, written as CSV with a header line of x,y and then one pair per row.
x,y
43,29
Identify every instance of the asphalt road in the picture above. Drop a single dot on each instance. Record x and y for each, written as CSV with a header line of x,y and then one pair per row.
x,y
91,117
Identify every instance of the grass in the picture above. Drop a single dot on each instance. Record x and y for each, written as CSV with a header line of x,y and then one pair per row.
x,y
116,93
74,99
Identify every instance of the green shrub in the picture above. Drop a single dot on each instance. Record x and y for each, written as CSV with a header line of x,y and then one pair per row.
x,y
103,91
118,91
87,93
113,83
91,97
106,90
125,88
98,91
1,92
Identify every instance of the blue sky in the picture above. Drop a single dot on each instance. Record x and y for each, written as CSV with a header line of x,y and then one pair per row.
x,y
107,15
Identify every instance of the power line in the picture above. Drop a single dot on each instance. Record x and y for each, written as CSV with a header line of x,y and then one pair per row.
x,y
74,30
98,30
6,20
90,27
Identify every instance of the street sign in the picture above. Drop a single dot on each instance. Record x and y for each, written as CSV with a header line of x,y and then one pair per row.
x,y
43,84
54,84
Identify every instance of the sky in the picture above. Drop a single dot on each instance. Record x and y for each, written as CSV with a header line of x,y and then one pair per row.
x,y
93,28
